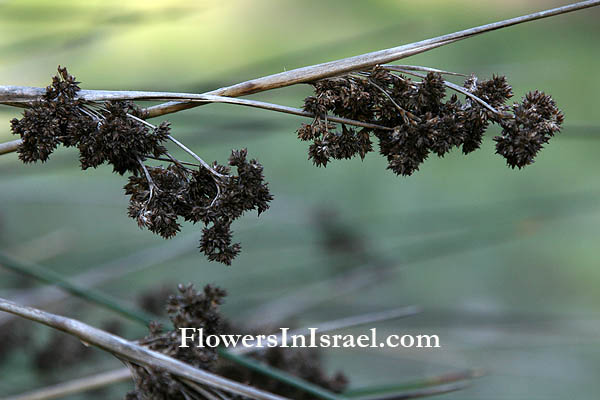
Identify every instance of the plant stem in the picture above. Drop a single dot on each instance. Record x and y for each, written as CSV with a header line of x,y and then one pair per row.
x,y
332,68
132,352
281,376
10,147
418,384
17,95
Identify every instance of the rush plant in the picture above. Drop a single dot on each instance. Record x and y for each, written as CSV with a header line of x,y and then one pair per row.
x,y
358,103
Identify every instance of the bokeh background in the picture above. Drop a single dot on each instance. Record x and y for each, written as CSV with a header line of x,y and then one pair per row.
x,y
503,262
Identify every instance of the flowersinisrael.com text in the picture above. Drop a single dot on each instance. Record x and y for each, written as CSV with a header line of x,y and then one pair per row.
x,y
312,338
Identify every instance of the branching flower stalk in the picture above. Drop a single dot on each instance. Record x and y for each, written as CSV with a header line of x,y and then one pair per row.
x,y
410,119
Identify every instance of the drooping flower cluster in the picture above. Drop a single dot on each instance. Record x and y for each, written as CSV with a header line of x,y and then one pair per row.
x,y
216,198
115,133
415,119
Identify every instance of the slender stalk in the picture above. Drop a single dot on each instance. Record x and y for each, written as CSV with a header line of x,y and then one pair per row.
x,y
49,276
332,68
132,352
17,95
419,68
196,157
10,147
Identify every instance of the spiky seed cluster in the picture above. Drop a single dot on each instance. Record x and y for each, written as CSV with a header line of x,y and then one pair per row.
x,y
121,140
54,120
102,134
535,121
114,133
418,117
214,198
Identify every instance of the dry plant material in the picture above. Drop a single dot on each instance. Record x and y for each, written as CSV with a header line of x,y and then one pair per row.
x,y
115,133
421,120
191,308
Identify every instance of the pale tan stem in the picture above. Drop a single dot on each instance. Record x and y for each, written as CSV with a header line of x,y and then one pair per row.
x,y
132,352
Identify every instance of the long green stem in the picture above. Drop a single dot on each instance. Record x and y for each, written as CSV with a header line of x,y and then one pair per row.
x,y
48,276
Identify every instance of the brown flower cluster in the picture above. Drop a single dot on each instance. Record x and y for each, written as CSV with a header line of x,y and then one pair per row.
x,y
102,133
214,197
115,133
191,308
535,121
417,119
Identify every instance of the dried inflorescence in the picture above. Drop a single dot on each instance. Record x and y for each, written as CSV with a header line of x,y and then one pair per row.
x,y
115,133
416,119
214,197
535,121
191,308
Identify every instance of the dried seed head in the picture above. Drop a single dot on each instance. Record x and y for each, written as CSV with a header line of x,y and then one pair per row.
x,y
421,119
536,120
114,133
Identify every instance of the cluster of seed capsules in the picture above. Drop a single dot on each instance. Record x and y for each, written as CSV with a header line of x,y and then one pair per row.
x,y
416,119
115,133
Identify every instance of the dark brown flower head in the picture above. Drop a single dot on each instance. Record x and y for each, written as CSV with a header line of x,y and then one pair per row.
x,y
216,243
154,205
535,121
52,121
215,198
419,117
121,140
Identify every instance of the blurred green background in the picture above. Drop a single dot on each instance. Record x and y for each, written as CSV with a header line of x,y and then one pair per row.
x,y
503,262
